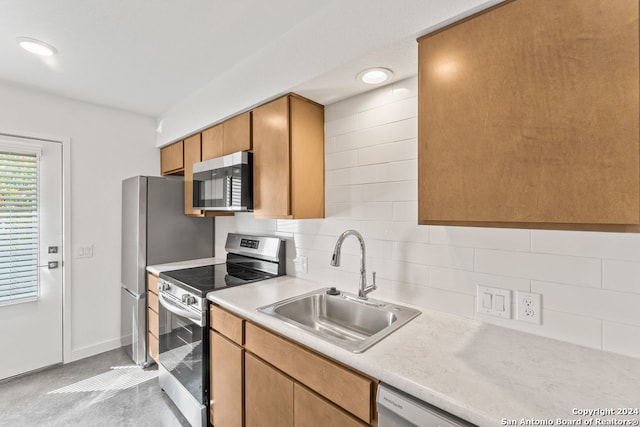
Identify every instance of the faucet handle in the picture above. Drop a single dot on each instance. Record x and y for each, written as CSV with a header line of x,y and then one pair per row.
x,y
374,278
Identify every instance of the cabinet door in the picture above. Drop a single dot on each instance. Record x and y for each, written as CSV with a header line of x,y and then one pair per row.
x,y
171,159
227,381
271,159
237,133
192,154
311,410
532,122
212,140
268,395
307,158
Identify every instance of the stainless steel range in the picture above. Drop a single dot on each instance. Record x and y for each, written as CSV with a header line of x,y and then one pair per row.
x,y
184,320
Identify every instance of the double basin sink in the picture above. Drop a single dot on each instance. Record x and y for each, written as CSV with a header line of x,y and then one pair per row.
x,y
341,318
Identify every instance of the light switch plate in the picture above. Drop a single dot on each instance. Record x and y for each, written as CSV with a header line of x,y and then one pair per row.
x,y
494,301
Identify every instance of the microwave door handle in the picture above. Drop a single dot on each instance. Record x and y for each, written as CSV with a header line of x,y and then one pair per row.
x,y
176,309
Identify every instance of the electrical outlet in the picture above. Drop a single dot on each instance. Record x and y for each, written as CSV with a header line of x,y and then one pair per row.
x,y
494,301
529,307
301,263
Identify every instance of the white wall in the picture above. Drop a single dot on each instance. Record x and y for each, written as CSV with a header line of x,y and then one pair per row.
x,y
107,145
590,281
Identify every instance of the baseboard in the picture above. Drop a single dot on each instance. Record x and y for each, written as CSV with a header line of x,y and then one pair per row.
x,y
92,350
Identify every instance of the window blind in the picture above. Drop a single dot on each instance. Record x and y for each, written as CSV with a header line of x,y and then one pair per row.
x,y
18,227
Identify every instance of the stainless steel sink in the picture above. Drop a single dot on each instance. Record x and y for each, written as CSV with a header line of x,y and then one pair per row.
x,y
345,320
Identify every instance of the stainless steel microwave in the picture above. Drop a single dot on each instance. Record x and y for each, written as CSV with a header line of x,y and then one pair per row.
x,y
224,183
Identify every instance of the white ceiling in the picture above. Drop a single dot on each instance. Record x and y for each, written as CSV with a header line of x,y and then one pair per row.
x,y
168,58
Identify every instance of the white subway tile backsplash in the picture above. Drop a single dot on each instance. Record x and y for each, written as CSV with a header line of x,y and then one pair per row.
x,y
371,137
389,113
398,271
337,210
345,193
598,303
556,268
341,126
621,276
404,171
622,339
394,231
621,246
341,160
433,255
373,211
359,175
467,281
392,152
307,226
487,238
406,211
430,298
314,242
335,227
390,191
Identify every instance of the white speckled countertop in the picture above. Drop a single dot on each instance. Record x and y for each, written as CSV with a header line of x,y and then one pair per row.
x,y
159,268
483,373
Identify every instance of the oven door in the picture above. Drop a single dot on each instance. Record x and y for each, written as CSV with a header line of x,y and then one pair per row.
x,y
183,343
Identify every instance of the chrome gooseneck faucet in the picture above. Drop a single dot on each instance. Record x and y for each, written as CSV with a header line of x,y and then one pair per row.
x,y
335,262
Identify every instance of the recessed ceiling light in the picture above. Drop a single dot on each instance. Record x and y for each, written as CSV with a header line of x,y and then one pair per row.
x,y
374,76
35,46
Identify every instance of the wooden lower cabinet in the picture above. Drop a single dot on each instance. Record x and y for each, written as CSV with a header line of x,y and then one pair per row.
x,y
227,382
310,410
268,395
152,316
261,379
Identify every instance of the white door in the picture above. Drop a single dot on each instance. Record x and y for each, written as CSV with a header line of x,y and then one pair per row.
x,y
30,246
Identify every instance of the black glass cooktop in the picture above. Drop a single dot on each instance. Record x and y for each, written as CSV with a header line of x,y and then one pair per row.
x,y
201,280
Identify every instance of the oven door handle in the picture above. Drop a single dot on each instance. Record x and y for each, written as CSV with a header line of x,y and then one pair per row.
x,y
176,309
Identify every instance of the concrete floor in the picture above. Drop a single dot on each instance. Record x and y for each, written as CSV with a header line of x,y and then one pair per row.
x,y
88,393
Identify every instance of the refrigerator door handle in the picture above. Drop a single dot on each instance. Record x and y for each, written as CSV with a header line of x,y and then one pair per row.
x,y
131,294
179,311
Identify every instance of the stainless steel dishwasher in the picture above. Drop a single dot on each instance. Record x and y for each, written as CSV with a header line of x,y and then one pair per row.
x,y
398,409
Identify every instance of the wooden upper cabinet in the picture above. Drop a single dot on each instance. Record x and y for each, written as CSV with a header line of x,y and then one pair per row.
x,y
288,161
227,137
529,117
212,140
171,159
237,133
192,154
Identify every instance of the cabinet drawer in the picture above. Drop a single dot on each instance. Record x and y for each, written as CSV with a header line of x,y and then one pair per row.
x,y
153,322
350,390
152,301
154,347
227,324
152,283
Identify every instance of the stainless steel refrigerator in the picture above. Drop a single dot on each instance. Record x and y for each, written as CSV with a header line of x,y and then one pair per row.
x,y
155,230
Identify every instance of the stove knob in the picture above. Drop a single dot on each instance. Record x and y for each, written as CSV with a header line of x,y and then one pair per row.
x,y
164,286
188,299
